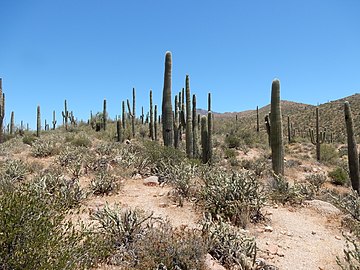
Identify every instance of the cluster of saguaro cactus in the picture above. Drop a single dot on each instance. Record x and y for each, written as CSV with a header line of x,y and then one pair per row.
x,y
2,112
38,121
318,138
167,114
353,156
276,130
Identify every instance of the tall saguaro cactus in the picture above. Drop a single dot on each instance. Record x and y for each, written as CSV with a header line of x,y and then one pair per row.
x,y
276,130
176,122
132,113
257,120
189,129
54,120
155,124
151,120
353,156
104,115
167,114
195,128
2,112
38,121
210,127
123,115
204,140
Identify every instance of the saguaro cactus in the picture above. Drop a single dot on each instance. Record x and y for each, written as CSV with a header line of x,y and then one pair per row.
x,y
65,115
320,136
155,124
276,130
268,129
132,113
104,115
151,120
2,112
210,127
353,156
189,129
289,129
119,130
54,120
12,124
257,119
204,140
38,122
167,114
176,123
195,128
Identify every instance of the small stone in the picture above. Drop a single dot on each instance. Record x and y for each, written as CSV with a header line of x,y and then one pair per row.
x,y
163,205
313,232
268,229
283,232
289,234
151,181
337,237
276,206
280,254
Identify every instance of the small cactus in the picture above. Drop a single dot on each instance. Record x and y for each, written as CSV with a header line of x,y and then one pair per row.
x,y
65,115
167,114
257,119
353,156
12,124
54,120
104,115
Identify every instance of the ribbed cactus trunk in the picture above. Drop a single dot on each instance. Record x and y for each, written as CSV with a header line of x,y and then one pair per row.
x,y
155,124
189,130
204,140
12,124
123,115
167,114
151,120
320,136
2,112
276,130
195,128
268,129
176,123
210,128
353,156
104,115
289,129
119,130
38,121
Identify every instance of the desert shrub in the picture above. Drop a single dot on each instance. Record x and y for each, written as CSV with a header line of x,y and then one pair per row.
x,y
103,183
283,192
236,197
232,141
73,159
107,149
349,203
44,148
351,260
14,170
59,191
329,153
229,245
316,180
339,176
35,236
81,140
29,139
229,153
259,165
170,248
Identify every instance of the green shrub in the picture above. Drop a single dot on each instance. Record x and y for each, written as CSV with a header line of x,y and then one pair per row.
x,y
329,153
29,139
236,197
103,183
339,176
232,141
282,192
44,148
229,153
14,170
316,179
81,140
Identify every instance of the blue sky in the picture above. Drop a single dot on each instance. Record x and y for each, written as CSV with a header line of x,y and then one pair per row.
x,y
88,50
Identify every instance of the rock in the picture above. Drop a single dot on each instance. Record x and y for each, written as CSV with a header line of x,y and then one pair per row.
x,y
313,232
268,229
163,205
137,176
323,207
151,181
280,254
337,237
212,264
127,141
272,249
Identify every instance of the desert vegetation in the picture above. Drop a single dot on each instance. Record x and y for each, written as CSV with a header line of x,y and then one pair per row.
x,y
62,188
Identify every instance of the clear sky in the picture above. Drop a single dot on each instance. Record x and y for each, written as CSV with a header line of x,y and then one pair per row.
x,y
88,50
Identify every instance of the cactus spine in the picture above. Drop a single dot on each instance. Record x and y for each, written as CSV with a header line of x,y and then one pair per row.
x,y
320,136
195,125
189,129
38,122
2,112
54,120
12,125
353,156
65,115
167,114
276,130
151,120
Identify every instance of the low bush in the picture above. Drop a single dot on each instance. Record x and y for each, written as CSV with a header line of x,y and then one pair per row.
x,y
103,183
339,176
44,148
